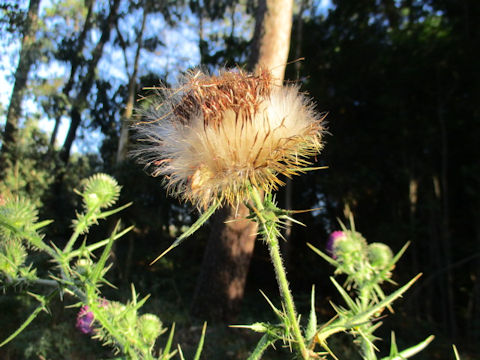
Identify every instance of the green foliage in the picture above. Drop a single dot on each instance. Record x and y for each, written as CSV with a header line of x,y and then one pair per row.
x,y
396,81
366,267
132,335
29,175
78,274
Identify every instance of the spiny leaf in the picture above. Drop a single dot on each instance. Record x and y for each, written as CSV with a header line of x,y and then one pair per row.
x,y
312,320
279,313
200,343
327,258
165,354
364,316
97,270
41,307
405,354
455,351
108,213
262,345
180,352
97,245
201,220
393,346
351,304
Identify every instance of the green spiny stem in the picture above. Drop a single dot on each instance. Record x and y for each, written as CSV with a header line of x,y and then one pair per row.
x,y
46,282
367,347
79,228
271,238
274,250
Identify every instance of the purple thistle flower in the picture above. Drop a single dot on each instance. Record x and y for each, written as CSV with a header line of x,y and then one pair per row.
x,y
85,320
334,236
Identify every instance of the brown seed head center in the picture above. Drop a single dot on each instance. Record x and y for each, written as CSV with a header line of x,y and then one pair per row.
x,y
213,95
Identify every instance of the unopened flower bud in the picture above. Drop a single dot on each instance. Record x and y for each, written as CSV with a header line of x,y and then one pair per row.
x,y
150,327
379,255
83,266
334,236
341,243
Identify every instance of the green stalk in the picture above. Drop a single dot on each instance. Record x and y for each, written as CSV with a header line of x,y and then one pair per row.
x,y
274,250
79,229
271,238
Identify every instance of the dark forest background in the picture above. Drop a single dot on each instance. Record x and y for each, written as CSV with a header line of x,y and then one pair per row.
x,y
401,85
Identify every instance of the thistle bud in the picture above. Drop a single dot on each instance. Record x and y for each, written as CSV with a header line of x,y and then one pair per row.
x,y
150,327
83,266
12,257
348,243
85,318
379,255
334,236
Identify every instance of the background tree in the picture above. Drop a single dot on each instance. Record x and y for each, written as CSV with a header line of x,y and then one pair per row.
x,y
132,85
70,49
386,76
26,59
78,102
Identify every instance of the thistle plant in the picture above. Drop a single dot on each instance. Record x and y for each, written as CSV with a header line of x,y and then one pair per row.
x,y
79,274
225,140
366,267
217,141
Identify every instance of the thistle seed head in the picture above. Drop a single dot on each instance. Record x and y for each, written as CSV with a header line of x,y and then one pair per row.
x,y
213,135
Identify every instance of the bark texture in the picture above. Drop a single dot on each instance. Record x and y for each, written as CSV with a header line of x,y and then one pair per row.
x,y
271,41
221,283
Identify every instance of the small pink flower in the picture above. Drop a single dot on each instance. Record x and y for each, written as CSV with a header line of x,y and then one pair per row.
x,y
85,320
334,236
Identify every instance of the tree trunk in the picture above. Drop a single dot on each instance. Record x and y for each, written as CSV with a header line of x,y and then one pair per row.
x,y
271,41
220,286
132,87
221,282
79,103
75,63
26,60
75,120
